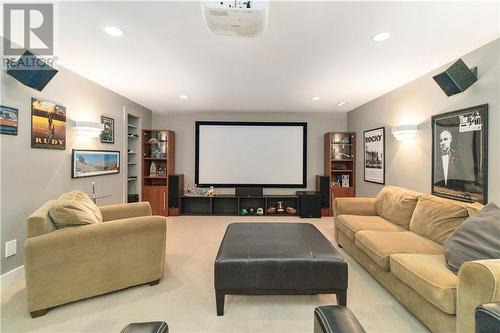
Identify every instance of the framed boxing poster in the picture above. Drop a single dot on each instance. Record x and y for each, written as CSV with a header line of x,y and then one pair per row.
x,y
374,143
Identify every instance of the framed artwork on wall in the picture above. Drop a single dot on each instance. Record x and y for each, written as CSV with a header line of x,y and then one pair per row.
x,y
48,125
460,154
374,163
89,163
108,133
8,120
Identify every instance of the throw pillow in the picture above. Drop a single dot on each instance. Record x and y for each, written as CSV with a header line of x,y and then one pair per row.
x,y
436,218
396,205
73,209
477,238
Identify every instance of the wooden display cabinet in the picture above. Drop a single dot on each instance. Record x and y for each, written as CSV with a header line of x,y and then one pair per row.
x,y
158,162
340,165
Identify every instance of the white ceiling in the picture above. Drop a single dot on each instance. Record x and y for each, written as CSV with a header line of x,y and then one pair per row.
x,y
309,49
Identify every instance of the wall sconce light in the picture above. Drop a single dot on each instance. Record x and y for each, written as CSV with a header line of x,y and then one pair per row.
x,y
88,129
405,132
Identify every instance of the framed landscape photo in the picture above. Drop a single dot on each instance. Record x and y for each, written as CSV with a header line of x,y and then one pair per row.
x,y
108,133
8,120
48,125
460,154
89,163
374,143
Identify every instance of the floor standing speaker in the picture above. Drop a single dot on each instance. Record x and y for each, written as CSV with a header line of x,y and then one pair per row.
x,y
175,188
309,204
323,187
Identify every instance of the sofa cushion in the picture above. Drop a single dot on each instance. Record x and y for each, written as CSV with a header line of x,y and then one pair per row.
x,y
436,218
351,224
380,245
429,277
396,205
73,209
477,238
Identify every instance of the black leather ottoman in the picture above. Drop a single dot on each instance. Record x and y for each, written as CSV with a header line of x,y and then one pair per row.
x,y
335,319
146,327
278,258
488,318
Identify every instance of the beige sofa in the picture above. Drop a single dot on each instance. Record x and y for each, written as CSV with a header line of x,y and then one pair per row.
x,y
70,264
398,237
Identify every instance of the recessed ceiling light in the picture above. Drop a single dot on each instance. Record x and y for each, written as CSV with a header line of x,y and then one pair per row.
x,y
381,36
183,96
315,98
113,31
340,103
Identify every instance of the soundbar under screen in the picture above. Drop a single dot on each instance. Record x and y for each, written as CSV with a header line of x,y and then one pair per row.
x,y
231,154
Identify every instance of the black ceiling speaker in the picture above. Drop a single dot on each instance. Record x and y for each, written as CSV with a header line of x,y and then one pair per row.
x,y
457,78
32,71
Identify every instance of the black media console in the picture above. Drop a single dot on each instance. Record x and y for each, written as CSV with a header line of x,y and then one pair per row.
x,y
230,205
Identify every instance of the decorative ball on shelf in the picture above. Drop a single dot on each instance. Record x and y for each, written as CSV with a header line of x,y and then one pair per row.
x,y
271,211
291,210
260,211
243,212
251,210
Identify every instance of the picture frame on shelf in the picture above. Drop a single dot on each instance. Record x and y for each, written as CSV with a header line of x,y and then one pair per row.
x,y
460,154
90,163
345,180
108,133
48,125
374,155
9,118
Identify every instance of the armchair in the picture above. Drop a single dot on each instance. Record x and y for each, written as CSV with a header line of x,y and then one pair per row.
x,y
69,264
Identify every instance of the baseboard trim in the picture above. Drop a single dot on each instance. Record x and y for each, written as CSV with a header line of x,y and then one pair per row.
x,y
12,278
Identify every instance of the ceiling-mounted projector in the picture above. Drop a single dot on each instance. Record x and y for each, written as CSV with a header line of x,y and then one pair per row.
x,y
236,18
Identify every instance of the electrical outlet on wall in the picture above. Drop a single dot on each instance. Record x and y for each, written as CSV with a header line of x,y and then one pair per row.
x,y
11,248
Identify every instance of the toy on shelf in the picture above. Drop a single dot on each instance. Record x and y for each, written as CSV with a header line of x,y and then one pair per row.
x,y
280,207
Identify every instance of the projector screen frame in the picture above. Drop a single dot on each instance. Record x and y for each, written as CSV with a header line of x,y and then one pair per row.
x,y
252,123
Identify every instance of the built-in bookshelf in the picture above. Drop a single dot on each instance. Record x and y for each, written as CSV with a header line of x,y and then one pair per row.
x,y
133,161
340,164
158,149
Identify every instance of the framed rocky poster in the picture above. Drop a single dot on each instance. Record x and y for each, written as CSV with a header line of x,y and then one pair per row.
x,y
460,154
374,143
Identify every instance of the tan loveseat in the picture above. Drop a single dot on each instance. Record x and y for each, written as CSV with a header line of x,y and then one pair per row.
x,y
398,237
69,264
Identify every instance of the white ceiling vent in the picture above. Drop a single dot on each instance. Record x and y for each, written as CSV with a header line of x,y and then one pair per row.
x,y
236,18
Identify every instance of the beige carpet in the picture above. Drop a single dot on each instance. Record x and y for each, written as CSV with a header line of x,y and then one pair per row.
x,y
185,297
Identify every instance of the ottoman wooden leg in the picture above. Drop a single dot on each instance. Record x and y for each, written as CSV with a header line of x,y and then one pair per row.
x,y
342,298
219,300
154,283
39,313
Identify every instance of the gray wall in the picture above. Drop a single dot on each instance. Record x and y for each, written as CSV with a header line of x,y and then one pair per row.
x,y
409,163
30,177
184,126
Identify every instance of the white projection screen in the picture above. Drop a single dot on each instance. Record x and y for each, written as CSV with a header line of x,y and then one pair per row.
x,y
257,154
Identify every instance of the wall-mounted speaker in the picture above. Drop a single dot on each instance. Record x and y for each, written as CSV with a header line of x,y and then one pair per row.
x,y
32,71
457,78
175,188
